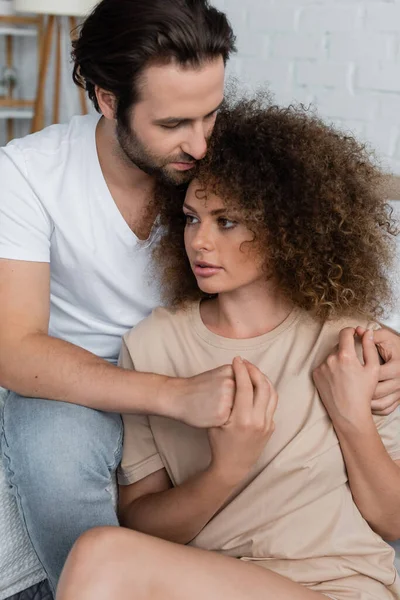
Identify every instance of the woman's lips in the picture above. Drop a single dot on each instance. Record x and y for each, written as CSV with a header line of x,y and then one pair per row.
x,y
206,270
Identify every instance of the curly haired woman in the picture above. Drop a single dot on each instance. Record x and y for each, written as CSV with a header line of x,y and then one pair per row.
x,y
277,263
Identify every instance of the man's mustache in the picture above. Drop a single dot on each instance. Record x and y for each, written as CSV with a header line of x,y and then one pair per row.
x,y
182,158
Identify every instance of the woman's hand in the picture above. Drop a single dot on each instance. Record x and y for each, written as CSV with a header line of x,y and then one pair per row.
x,y
386,397
346,387
237,445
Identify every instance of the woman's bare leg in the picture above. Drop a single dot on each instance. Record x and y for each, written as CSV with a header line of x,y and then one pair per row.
x,y
108,563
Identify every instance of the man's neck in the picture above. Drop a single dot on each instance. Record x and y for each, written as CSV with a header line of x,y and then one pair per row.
x,y
117,169
130,188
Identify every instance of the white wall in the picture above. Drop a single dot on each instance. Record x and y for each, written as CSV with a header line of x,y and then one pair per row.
x,y
342,55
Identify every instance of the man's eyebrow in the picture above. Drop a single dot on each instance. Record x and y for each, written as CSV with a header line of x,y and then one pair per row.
x,y
218,211
173,120
215,109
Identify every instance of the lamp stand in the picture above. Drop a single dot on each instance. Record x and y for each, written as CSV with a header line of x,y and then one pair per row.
x,y
38,121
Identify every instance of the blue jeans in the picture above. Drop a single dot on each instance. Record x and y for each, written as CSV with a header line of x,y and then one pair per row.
x,y
59,460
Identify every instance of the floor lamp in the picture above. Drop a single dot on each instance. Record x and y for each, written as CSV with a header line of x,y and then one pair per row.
x,y
54,10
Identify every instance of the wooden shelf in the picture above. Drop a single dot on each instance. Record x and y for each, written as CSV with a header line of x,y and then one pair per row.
x,y
19,20
15,103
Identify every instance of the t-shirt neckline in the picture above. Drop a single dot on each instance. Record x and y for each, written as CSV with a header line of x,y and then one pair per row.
x,y
219,341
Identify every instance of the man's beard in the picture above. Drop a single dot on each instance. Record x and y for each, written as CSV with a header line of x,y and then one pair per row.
x,y
160,168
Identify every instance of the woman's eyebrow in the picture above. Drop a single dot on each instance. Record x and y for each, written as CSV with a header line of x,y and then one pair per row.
x,y
217,211
189,207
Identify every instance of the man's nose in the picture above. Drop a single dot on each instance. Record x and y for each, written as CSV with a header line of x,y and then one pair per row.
x,y
196,144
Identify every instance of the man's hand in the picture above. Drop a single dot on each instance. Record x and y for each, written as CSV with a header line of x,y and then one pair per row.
x,y
386,397
204,400
237,445
345,385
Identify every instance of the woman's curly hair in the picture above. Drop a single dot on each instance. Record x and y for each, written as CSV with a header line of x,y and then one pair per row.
x,y
314,199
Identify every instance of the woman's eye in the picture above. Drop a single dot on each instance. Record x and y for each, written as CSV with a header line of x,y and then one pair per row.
x,y
226,223
190,219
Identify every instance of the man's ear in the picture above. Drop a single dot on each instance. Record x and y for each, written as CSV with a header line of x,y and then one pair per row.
x,y
107,103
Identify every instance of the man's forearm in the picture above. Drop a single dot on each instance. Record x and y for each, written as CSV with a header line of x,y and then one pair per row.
x,y
373,477
44,367
180,513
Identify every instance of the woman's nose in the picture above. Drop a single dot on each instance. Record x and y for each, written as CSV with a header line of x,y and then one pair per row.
x,y
202,240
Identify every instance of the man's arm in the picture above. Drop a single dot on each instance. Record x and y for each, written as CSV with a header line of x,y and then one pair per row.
x,y
32,363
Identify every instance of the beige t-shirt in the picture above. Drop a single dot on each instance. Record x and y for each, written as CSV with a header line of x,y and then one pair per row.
x,y
294,512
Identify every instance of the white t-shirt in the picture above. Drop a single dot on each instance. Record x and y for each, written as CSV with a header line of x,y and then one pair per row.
x,y
55,207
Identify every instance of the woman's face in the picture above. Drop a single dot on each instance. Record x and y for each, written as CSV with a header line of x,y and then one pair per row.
x,y
219,246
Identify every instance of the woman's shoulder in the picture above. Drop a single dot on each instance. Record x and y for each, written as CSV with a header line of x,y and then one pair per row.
x,y
357,320
158,343
322,337
333,326
159,325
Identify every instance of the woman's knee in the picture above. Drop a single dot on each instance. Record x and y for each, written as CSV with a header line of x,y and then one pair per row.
x,y
94,565
88,564
100,544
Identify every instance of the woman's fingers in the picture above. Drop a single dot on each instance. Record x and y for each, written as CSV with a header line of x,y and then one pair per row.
x,y
243,403
360,331
370,352
265,396
346,346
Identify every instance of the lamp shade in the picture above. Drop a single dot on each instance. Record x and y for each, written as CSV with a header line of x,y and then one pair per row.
x,y
71,8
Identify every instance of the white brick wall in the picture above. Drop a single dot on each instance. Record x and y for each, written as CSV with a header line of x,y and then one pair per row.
x,y
341,55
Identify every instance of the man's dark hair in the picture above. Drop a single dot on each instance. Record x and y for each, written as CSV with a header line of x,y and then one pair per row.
x,y
120,38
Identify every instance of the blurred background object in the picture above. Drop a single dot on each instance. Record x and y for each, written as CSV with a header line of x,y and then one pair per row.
x,y
52,14
36,88
12,103
6,7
